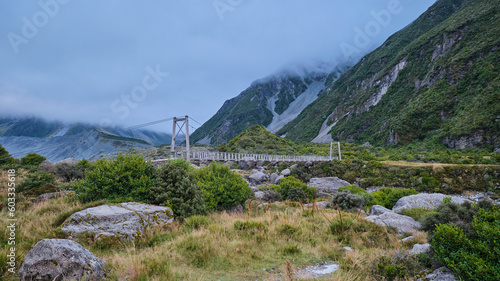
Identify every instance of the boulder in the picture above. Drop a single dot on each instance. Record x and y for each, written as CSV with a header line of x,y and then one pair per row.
x,y
402,223
440,274
378,210
424,200
321,205
259,195
257,178
126,221
286,172
268,196
275,178
407,239
61,259
366,144
236,210
51,195
349,249
420,248
293,166
247,163
327,185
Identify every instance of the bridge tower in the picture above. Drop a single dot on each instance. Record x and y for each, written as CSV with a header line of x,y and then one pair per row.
x,y
180,123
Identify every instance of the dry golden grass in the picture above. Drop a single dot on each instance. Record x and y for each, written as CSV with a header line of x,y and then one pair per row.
x,y
219,250
433,165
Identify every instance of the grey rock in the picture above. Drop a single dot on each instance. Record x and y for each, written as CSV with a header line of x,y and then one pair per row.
x,y
286,172
61,259
273,177
321,205
259,195
327,185
257,178
424,200
407,239
402,223
308,164
52,195
378,210
237,210
247,163
259,164
126,221
293,166
420,248
195,166
349,249
440,274
367,144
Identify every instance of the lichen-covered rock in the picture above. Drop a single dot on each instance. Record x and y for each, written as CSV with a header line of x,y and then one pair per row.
x,y
420,248
126,220
424,200
52,195
378,210
257,178
61,259
402,223
286,172
440,274
328,184
247,163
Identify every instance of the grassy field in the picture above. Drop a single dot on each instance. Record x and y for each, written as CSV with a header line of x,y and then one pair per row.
x,y
253,245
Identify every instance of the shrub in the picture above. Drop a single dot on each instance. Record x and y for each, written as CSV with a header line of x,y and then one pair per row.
x,y
460,215
473,257
272,196
347,201
354,189
398,267
387,196
35,180
289,183
32,159
222,188
176,188
417,213
46,188
68,172
128,177
5,157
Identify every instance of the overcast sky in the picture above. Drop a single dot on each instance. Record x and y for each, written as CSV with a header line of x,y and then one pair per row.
x,y
128,62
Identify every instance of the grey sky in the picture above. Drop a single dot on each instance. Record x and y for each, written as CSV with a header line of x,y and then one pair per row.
x,y
81,60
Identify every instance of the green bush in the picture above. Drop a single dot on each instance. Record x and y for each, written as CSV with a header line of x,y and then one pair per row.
x,y
128,177
5,157
460,215
176,188
46,188
354,189
222,188
289,183
398,267
32,159
474,256
387,196
68,172
35,180
347,201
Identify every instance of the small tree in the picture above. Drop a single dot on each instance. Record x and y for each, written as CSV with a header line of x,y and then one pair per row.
x,y
128,177
176,188
68,172
32,159
222,188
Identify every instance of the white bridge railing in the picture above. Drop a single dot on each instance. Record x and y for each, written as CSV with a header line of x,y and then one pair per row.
x,y
228,156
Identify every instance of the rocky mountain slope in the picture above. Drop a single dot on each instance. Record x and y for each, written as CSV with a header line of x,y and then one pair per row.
x,y
435,81
271,102
57,141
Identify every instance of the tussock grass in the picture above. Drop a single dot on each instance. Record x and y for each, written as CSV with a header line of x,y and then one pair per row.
x,y
223,246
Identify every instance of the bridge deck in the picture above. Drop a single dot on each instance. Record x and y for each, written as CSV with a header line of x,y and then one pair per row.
x,y
228,156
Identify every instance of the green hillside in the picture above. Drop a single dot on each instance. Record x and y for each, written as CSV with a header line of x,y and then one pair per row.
x,y
435,81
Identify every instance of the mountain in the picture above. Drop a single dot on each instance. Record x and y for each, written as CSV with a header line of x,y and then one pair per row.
x,y
271,102
436,81
57,140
